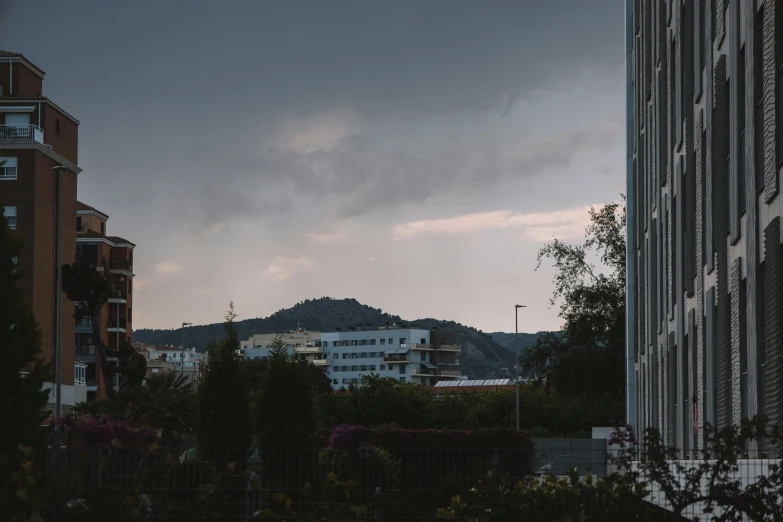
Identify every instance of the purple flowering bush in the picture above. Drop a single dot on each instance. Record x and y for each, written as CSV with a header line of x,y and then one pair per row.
x,y
119,434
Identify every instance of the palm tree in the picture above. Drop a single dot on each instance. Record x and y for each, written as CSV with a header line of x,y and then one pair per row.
x,y
167,402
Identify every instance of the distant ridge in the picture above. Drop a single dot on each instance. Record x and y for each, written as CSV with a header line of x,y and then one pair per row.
x,y
481,352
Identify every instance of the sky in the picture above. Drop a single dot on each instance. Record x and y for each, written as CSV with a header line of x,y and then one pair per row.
x,y
414,155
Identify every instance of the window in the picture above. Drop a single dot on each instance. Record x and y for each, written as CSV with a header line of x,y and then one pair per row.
x,y
363,342
758,95
372,367
57,126
372,342
402,379
779,83
103,228
335,381
325,344
391,341
336,356
424,341
402,341
363,368
353,343
383,341
402,368
7,169
354,355
10,215
383,367
741,139
354,368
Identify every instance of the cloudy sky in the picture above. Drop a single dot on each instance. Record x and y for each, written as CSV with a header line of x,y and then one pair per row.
x,y
412,154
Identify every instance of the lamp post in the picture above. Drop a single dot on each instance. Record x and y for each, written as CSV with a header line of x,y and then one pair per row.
x,y
516,355
58,367
182,348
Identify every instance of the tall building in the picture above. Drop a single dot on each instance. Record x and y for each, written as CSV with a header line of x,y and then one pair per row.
x,y
35,137
705,262
407,354
116,321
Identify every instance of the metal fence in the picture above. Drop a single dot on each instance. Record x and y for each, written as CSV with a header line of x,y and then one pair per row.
x,y
233,485
558,456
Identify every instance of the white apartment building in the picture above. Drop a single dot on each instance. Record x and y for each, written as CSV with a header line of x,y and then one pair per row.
x,y
406,354
187,360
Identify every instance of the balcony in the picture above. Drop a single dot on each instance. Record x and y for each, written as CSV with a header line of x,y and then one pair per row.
x,y
309,349
117,325
434,372
21,133
442,348
118,296
116,263
321,362
402,358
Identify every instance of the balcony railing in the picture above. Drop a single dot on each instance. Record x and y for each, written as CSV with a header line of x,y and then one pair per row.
x,y
428,372
120,264
309,349
321,362
441,348
397,358
21,133
84,351
114,324
119,294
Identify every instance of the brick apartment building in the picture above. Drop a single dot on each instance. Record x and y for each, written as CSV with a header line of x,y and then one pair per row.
x,y
35,136
116,254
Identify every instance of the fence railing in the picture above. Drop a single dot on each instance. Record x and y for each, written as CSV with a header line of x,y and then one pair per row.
x,y
21,133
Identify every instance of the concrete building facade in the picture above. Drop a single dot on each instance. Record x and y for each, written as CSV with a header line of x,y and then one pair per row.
x,y
704,153
411,355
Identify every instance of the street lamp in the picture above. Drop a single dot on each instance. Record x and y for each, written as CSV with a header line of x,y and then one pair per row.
x,y
516,355
182,348
58,367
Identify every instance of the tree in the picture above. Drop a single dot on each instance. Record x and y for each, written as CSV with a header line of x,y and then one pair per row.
x,y
279,348
90,289
283,406
590,357
23,373
167,401
223,415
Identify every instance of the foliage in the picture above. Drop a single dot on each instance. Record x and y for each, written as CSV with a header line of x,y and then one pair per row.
x,y
589,358
347,437
388,402
283,406
23,373
712,486
223,418
167,402
86,432
99,407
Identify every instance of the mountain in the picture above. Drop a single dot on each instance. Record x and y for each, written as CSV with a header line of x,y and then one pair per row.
x,y
506,340
480,352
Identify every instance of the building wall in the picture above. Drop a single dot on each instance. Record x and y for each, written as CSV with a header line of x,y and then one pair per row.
x,y
347,357
704,207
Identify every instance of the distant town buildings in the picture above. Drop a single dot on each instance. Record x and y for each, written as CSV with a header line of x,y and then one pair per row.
x,y
407,354
163,359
